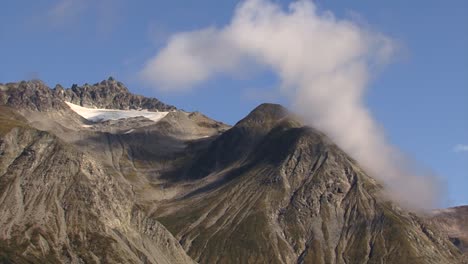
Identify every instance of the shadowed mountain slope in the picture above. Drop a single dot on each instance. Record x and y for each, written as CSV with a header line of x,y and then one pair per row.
x,y
289,195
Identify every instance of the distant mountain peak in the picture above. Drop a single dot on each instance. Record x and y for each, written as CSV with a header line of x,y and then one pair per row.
x,y
266,112
111,94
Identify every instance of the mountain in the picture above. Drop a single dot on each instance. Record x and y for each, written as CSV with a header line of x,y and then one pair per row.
x,y
95,174
61,205
284,193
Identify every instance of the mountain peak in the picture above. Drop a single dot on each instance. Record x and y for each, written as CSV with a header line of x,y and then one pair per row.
x,y
109,86
265,113
267,116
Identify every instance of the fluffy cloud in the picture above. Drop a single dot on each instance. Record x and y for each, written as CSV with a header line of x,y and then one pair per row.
x,y
324,65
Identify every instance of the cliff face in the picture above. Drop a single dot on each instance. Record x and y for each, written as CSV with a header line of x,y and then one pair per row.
x,y
188,188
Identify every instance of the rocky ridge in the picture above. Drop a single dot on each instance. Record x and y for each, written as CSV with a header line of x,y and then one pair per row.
x,y
107,94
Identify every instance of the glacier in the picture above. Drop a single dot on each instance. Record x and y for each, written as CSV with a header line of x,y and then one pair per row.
x,y
100,115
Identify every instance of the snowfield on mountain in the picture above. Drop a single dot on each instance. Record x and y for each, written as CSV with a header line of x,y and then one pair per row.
x,y
99,115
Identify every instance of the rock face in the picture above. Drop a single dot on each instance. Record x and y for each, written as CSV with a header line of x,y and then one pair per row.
x,y
31,95
188,188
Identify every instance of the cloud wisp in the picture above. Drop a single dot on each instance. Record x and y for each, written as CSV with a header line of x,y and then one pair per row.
x,y
66,13
324,65
461,148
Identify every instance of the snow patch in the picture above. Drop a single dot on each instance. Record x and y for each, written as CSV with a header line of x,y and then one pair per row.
x,y
99,115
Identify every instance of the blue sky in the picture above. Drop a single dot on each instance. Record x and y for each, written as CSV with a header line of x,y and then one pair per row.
x,y
420,98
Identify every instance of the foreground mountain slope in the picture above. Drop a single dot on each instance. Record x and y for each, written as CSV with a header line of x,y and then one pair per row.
x,y
289,195
59,205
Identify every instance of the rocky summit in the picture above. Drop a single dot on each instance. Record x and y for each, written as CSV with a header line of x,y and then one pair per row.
x,y
96,174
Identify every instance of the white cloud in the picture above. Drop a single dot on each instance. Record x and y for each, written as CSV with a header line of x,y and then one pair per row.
x,y
324,65
191,58
460,148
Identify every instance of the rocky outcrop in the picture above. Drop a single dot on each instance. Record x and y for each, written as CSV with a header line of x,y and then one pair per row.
x,y
30,95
